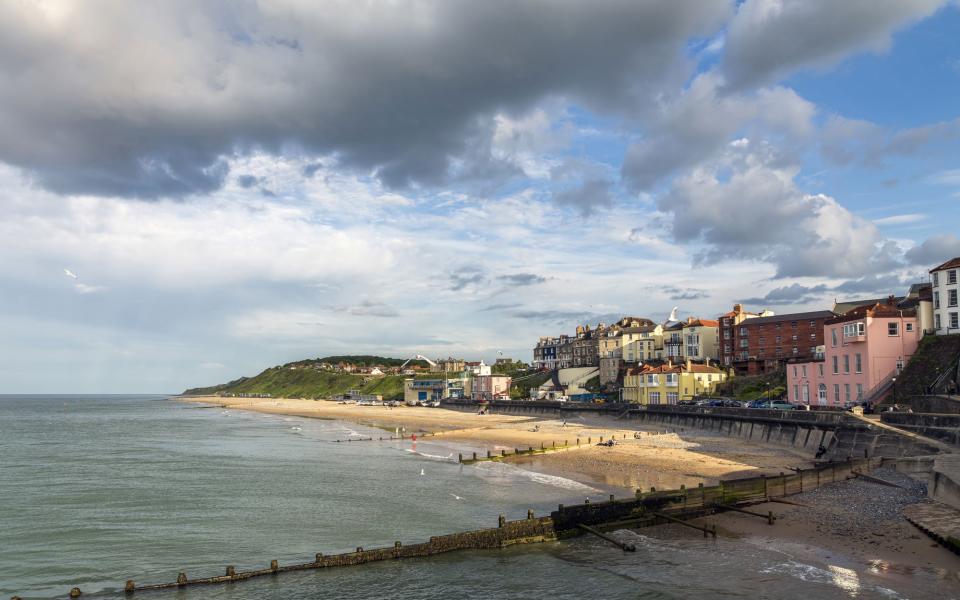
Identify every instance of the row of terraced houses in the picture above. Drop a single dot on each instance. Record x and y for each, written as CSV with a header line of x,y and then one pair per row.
x,y
848,354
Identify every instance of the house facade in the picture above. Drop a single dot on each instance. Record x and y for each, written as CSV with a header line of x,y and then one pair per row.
x,y
670,383
610,349
945,280
763,344
701,339
642,343
864,350
728,322
491,387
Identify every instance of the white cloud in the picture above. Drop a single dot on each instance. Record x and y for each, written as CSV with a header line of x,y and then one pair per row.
x,y
901,219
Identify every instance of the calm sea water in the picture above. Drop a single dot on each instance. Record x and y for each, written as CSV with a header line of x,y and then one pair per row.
x,y
99,489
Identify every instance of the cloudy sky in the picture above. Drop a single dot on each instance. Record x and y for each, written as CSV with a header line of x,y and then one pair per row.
x,y
236,185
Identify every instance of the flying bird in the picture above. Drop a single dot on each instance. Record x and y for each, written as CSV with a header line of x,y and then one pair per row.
x,y
456,497
70,274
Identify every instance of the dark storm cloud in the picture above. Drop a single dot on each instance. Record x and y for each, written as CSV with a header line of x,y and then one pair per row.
x,y
150,99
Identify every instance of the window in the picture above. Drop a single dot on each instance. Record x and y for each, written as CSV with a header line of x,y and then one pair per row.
x,y
653,380
744,343
859,391
936,321
822,394
804,370
858,362
833,336
908,327
763,341
954,324
654,397
836,368
672,397
836,393
794,337
951,277
820,370
796,393
893,329
793,324
854,329
743,331
796,351
806,394
813,324
778,339
813,336
778,353
936,299
952,298
726,348
672,379
936,279
846,363
846,392
794,370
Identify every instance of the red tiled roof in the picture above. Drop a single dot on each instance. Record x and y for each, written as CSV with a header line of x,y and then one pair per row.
x,y
950,264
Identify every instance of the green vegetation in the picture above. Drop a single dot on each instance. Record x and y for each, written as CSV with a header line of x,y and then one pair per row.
x,y
303,379
934,355
513,369
754,387
524,381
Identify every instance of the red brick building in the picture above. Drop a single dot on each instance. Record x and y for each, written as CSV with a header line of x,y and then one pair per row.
x,y
763,344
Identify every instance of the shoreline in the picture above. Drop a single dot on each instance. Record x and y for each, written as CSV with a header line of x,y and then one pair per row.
x,y
847,524
662,461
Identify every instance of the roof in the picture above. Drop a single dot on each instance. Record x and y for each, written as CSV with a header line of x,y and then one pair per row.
x,y
817,314
953,263
668,368
642,329
702,323
886,308
672,326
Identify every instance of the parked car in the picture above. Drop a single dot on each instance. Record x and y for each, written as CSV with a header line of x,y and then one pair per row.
x,y
758,404
687,403
781,405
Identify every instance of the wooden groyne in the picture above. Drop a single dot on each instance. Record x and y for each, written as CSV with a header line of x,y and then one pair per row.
x,y
643,509
548,447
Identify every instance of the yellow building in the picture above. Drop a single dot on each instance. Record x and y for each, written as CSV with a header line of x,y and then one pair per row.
x,y
643,343
669,383
701,340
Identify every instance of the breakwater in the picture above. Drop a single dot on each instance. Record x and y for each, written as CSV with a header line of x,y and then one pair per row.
x,y
644,508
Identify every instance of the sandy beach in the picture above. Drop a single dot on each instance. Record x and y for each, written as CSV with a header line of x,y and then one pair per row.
x,y
849,523
657,459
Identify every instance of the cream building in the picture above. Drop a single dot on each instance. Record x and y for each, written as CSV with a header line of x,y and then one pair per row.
x,y
701,340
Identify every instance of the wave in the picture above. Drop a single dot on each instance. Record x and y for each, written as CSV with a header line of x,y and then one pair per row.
x,y
448,458
508,471
847,580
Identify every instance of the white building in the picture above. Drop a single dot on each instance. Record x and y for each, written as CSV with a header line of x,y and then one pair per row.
x,y
946,311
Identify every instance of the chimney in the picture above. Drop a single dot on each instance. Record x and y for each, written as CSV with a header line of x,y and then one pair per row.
x,y
689,364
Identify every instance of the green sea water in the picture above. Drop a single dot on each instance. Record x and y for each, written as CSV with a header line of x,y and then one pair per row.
x,y
100,489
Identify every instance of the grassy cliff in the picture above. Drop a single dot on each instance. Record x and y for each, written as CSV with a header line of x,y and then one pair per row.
x,y
302,380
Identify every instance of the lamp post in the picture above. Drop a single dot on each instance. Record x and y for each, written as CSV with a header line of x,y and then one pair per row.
x,y
893,381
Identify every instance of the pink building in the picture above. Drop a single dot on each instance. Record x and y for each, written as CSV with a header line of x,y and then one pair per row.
x,y
864,349
491,387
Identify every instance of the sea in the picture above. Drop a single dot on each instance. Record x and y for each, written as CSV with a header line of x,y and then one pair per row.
x,y
99,489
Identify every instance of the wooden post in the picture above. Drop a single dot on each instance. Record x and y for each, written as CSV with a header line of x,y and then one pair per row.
x,y
529,514
275,566
474,456
783,478
611,498
503,453
128,588
766,494
459,458
488,454
723,494
231,571
501,521
703,495
75,592
318,557
181,579
800,473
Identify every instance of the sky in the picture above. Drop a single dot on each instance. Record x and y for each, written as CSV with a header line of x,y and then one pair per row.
x,y
235,185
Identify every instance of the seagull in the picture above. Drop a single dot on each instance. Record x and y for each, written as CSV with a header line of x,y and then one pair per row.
x,y
421,472
456,497
70,274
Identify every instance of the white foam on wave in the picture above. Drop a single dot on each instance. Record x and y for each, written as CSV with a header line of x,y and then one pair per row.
x,y
448,458
845,579
504,470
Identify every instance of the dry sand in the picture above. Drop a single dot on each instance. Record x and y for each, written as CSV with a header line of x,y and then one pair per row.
x,y
664,461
